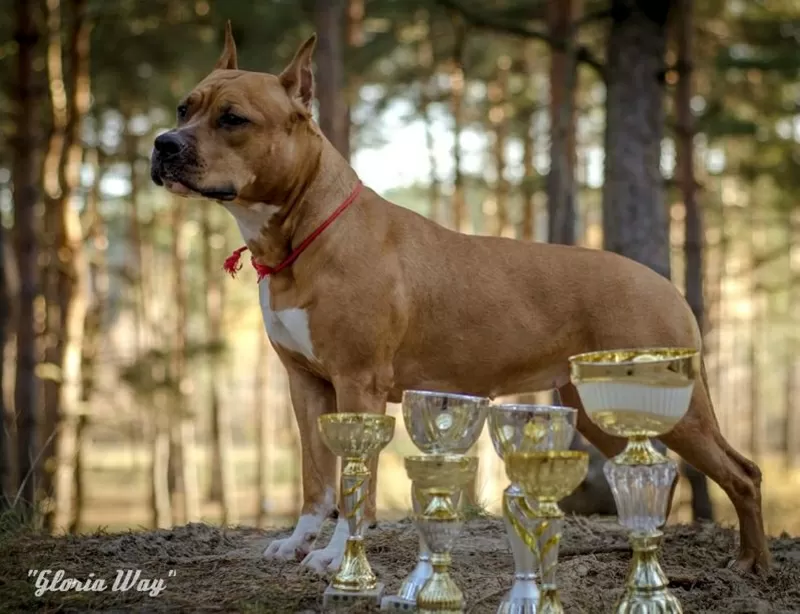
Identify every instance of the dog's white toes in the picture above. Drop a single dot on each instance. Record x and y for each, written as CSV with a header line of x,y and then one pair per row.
x,y
324,560
287,549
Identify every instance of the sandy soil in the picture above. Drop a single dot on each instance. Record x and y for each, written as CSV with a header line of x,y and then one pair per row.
x,y
221,570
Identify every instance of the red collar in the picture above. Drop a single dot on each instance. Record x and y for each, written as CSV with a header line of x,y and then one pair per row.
x,y
232,264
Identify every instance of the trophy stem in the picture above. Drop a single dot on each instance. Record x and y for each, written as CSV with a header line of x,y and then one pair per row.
x,y
639,451
549,523
440,526
355,573
523,598
642,492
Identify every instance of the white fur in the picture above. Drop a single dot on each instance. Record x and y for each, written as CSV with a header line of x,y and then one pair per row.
x,y
329,558
288,327
305,532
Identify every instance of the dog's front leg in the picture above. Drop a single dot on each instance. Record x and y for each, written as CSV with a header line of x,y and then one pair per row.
x,y
357,393
311,397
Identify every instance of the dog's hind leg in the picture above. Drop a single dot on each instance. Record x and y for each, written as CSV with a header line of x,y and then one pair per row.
x,y
697,438
311,397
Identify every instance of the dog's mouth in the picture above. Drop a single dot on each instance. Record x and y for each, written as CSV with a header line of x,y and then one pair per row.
x,y
187,189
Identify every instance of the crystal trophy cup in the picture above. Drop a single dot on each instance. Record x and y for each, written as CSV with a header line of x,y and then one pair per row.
x,y
355,438
526,428
437,423
438,477
545,478
639,394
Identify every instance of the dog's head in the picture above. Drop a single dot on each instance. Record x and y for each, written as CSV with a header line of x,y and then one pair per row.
x,y
242,136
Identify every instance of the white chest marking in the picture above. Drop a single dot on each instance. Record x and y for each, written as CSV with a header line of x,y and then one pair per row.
x,y
251,219
287,327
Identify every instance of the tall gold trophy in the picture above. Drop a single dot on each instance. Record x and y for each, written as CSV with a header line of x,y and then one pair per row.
x,y
526,428
545,478
438,423
355,438
639,394
439,477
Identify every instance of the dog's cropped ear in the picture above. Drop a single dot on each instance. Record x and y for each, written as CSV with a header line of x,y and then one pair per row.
x,y
298,77
228,59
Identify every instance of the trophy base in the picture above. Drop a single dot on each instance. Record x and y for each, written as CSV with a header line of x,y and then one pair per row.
x,y
334,598
395,603
662,602
523,598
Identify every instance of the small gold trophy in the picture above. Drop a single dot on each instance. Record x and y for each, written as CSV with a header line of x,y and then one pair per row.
x,y
354,437
439,477
546,478
438,423
526,428
639,394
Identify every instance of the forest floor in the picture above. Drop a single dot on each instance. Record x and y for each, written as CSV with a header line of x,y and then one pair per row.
x,y
212,569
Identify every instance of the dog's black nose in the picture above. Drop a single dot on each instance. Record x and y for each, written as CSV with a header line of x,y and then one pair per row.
x,y
168,144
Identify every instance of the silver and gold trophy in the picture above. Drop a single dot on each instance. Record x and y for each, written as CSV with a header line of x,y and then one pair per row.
x,y
545,478
639,394
355,438
438,424
526,428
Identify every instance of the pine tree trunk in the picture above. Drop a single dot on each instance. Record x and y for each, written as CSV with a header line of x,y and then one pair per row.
x,y
266,420
160,500
753,321
459,216
5,426
334,116
792,412
563,82
693,246
499,119
634,215
25,177
222,469
425,58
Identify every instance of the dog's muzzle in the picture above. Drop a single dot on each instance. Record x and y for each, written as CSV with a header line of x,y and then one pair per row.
x,y
168,149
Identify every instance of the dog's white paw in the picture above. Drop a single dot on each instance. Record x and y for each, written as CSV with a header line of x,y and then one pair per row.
x,y
299,543
329,558
292,548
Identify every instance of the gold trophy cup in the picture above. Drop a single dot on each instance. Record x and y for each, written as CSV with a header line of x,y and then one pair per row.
x,y
355,438
639,394
526,428
439,477
546,478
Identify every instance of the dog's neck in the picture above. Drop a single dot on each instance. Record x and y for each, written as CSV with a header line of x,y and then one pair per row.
x,y
272,230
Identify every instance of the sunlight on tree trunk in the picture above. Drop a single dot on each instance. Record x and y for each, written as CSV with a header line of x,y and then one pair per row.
x,y
792,411
499,110
459,216
266,420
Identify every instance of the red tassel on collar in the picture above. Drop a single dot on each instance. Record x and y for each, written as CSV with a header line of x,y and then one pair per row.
x,y
233,265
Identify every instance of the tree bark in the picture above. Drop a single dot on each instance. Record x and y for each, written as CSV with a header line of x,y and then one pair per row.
x,y
5,426
266,418
693,237
792,415
26,199
499,118
223,471
330,17
634,216
563,82
460,213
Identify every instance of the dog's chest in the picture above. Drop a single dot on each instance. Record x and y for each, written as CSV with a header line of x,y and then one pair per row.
x,y
286,327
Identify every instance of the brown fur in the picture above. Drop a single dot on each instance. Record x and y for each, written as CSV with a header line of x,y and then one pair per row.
x,y
397,302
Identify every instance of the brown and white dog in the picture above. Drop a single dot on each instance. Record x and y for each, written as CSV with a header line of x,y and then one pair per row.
x,y
385,300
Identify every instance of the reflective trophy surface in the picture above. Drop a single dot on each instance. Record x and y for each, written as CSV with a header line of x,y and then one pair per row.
x,y
438,423
439,477
355,438
526,428
639,394
545,478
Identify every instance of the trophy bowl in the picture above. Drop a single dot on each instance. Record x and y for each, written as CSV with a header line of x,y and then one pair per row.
x,y
636,393
441,472
531,428
526,428
443,423
356,435
547,476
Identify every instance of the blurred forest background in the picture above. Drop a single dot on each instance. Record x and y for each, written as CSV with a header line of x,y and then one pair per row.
x,y
138,387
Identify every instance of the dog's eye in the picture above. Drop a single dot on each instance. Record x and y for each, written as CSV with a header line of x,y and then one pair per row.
x,y
182,110
231,119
